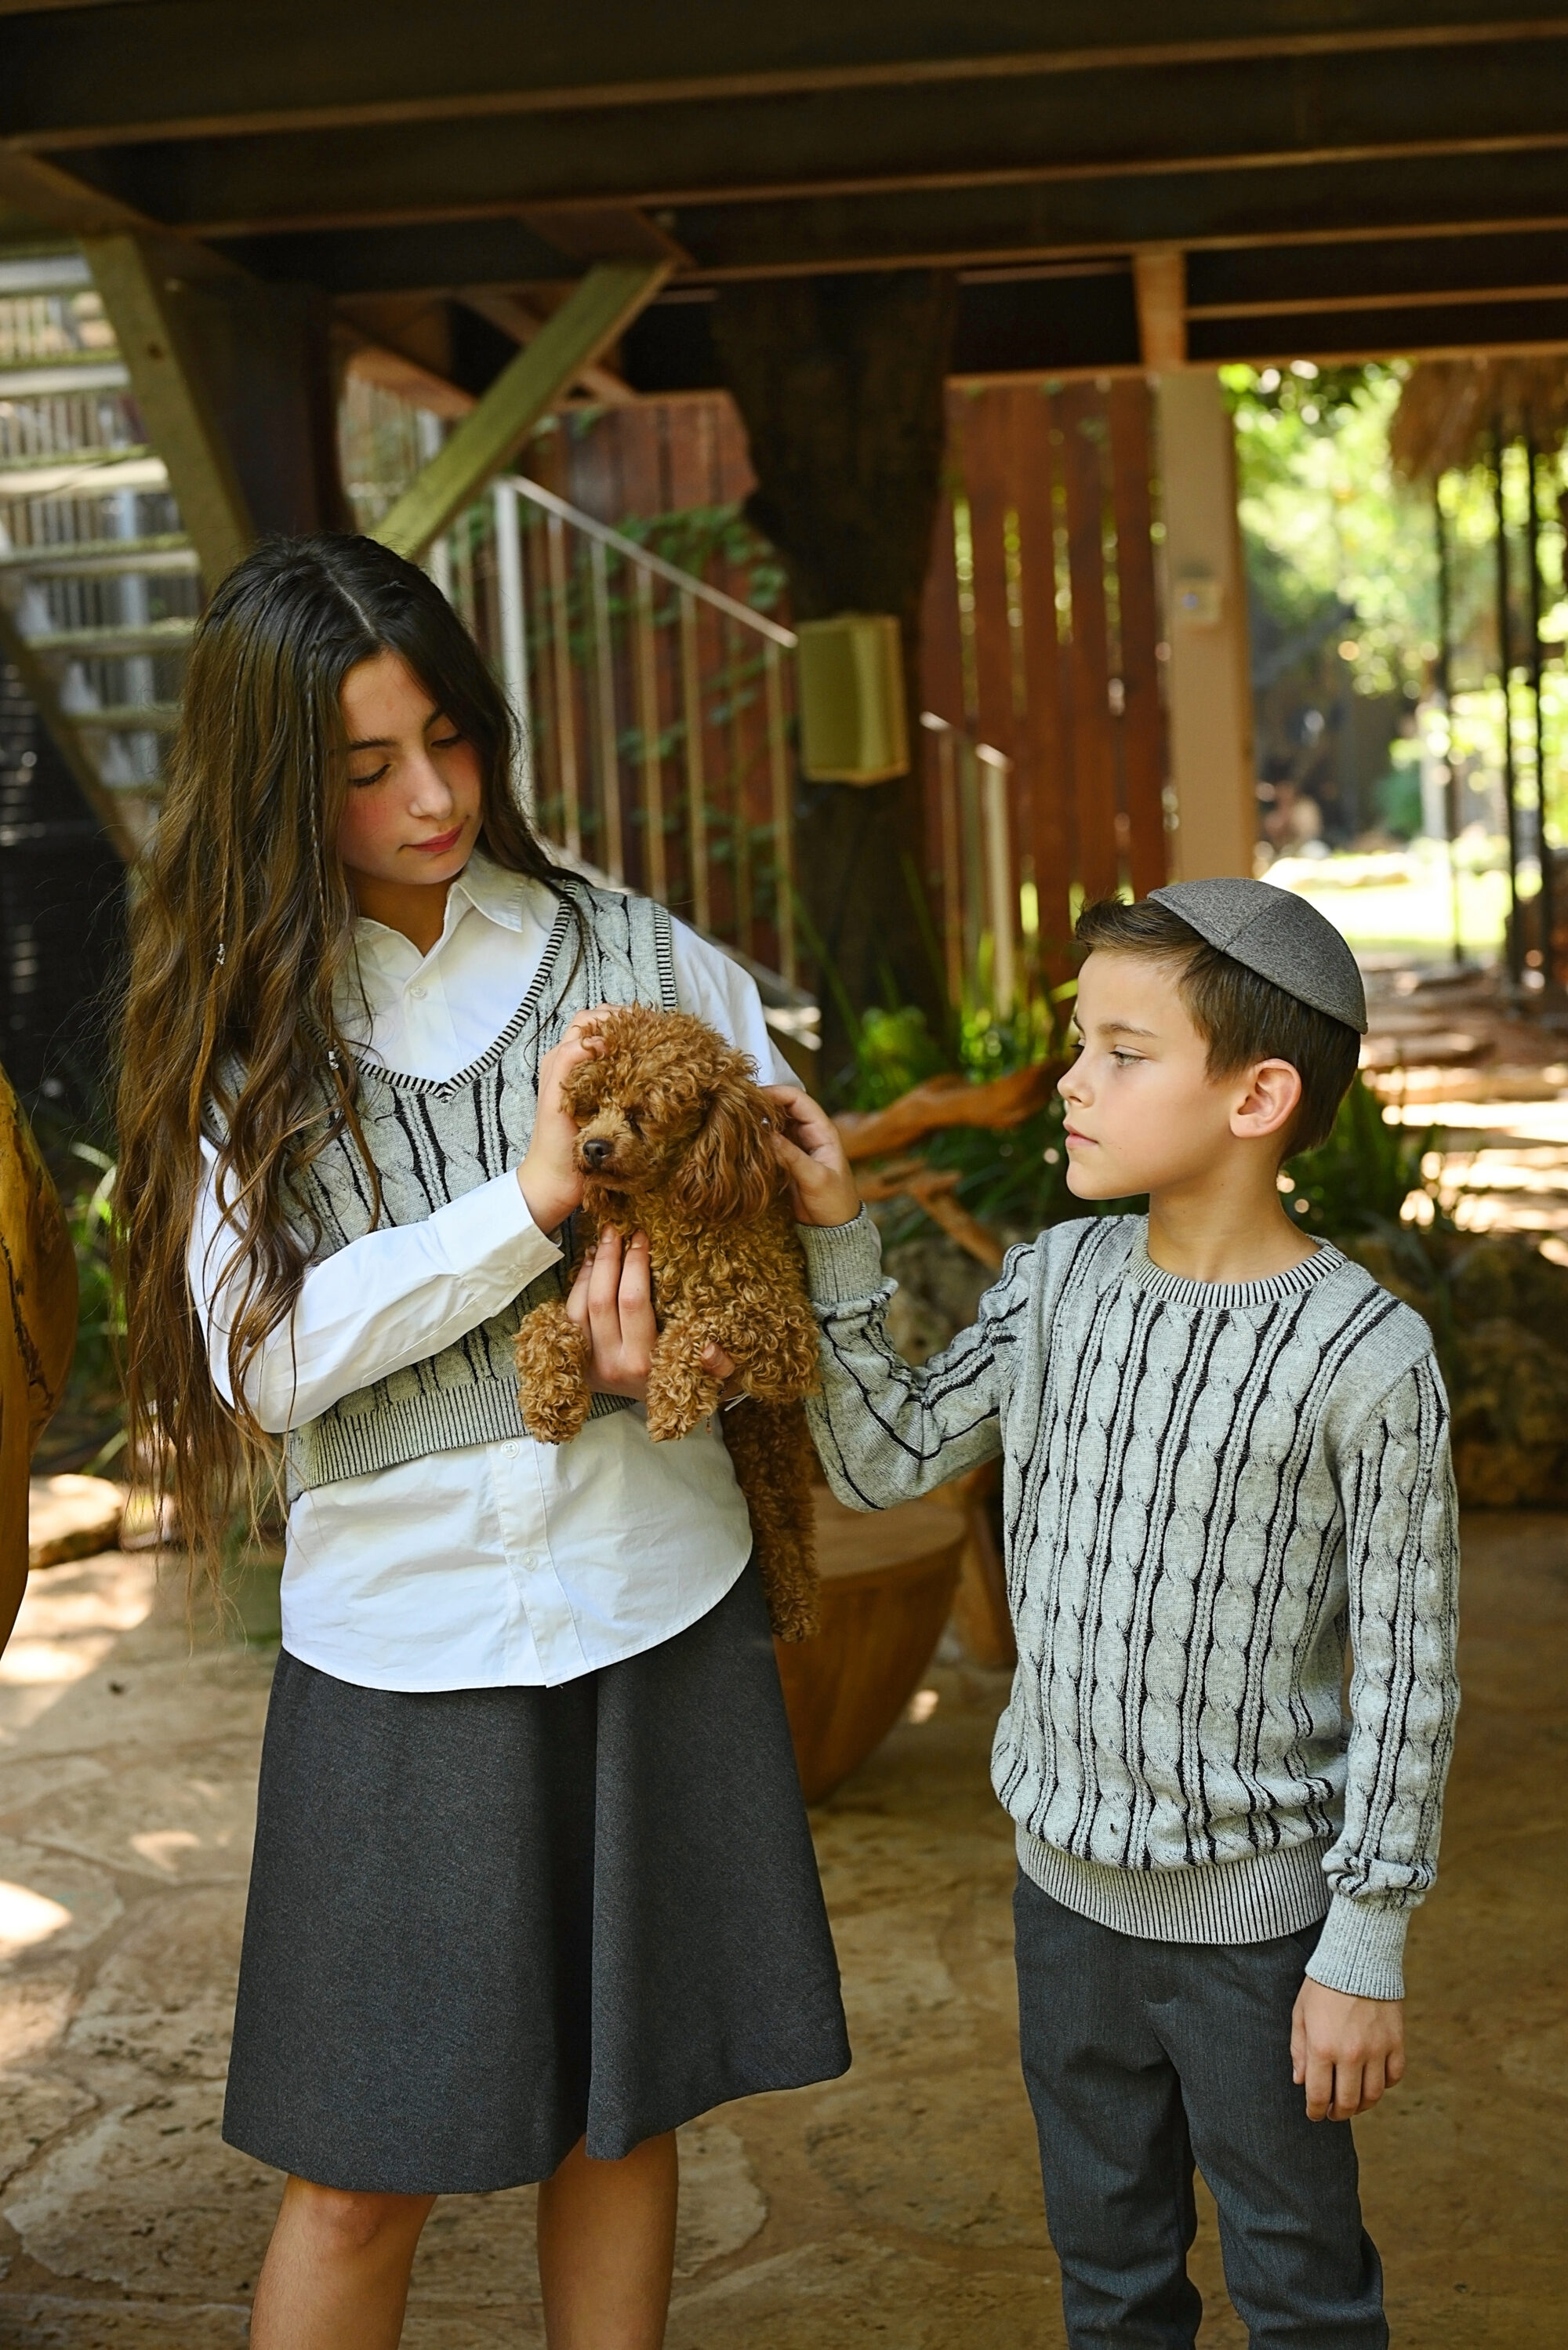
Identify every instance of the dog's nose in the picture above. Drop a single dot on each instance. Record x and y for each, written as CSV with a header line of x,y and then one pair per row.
x,y
595,1149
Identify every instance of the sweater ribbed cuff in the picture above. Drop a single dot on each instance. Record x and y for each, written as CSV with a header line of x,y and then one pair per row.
x,y
843,1262
1361,1948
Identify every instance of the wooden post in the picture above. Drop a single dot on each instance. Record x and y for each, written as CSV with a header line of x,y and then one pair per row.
x,y
1547,900
1504,666
1210,690
602,305
1444,695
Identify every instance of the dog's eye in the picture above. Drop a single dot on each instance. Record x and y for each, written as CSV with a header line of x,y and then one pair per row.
x,y
633,1119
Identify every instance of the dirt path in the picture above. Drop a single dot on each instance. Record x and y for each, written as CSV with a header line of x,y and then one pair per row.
x,y
897,2210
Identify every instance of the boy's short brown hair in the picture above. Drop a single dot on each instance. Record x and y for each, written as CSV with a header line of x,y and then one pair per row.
x,y
1241,1016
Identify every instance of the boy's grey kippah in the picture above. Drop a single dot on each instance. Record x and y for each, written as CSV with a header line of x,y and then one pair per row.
x,y
1278,935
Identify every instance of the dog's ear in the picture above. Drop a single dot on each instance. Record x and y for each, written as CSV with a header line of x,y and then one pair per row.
x,y
730,1172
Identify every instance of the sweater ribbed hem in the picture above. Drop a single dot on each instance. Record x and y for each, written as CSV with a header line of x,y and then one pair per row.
x,y
334,1447
1361,1948
1252,1900
843,1262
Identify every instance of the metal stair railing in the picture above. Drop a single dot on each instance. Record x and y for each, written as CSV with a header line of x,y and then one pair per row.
x,y
98,584
656,711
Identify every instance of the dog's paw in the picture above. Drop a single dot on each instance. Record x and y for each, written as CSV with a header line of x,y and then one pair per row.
x,y
553,1393
555,1420
670,1418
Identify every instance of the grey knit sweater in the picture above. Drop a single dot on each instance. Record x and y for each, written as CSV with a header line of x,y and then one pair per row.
x,y
1207,1489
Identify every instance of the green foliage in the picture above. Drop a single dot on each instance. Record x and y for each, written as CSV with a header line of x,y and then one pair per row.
x,y
893,1050
1359,1181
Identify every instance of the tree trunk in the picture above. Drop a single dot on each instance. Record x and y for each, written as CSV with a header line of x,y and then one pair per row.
x,y
839,383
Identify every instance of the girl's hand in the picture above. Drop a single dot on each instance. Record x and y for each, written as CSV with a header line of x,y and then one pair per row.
x,y
550,1178
612,1304
809,1149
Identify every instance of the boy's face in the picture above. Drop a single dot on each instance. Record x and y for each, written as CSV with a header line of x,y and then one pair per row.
x,y
1143,1113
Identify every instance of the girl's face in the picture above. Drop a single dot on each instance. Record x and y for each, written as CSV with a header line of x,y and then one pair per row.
x,y
414,801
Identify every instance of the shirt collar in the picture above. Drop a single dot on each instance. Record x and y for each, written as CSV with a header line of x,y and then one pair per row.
x,y
481,887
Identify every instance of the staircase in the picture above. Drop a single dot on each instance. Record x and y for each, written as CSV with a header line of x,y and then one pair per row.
x,y
98,586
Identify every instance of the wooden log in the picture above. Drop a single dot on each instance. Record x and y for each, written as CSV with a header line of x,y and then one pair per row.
x,y
37,1331
946,1100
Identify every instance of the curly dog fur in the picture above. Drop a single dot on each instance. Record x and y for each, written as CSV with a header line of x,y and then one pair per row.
x,y
673,1142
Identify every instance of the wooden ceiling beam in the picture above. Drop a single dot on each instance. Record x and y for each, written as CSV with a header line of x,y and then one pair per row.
x,y
1199,211
161,69
1460,329
1447,106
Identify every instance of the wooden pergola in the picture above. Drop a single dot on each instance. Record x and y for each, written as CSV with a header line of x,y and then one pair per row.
x,y
1323,179
500,208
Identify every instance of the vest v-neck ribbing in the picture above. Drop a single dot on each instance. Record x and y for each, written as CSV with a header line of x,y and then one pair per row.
x,y
440,1088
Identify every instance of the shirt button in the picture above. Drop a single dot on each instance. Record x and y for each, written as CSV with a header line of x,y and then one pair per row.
x,y
419,992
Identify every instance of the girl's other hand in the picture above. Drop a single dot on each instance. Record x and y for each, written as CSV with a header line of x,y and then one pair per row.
x,y
811,1151
612,1304
550,1178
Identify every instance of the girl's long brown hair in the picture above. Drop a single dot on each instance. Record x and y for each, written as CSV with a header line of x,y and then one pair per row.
x,y
241,928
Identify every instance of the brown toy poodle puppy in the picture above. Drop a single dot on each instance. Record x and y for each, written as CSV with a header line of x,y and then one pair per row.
x,y
674,1141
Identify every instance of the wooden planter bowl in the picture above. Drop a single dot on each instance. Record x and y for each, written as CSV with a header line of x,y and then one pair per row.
x,y
887,1583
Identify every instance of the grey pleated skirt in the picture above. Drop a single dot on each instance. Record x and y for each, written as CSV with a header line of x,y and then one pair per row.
x,y
486,1923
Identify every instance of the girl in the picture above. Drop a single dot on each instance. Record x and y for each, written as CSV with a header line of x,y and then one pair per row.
x,y
533,1883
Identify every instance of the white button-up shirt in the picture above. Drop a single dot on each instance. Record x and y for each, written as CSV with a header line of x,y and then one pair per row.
x,y
498,1564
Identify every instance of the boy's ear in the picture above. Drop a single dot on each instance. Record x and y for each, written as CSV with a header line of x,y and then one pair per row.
x,y
1271,1099
729,1172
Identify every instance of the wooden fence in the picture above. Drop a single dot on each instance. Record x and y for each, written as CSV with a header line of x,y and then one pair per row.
x,y
1042,636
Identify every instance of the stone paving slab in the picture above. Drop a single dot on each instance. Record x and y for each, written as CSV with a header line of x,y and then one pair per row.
x,y
896,2210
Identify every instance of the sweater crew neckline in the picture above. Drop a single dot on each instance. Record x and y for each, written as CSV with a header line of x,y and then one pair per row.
x,y
1225,1296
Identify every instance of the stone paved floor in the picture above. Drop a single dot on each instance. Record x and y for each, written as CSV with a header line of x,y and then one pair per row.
x,y
897,2210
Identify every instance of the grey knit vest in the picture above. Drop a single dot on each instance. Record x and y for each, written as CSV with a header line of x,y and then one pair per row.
x,y
432,1142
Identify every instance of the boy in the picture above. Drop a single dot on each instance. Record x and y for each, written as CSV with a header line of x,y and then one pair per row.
x,y
1225,1450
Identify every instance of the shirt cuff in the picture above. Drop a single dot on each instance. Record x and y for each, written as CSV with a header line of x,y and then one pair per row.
x,y
843,1262
1361,1948
490,1229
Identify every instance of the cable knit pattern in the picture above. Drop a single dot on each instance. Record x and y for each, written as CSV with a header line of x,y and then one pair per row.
x,y
1208,1487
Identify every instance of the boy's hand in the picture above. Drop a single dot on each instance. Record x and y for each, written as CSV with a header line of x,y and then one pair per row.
x,y
612,1302
550,1178
1345,2051
809,1147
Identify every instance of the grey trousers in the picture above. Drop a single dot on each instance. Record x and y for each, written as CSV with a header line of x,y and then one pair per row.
x,y
1143,2059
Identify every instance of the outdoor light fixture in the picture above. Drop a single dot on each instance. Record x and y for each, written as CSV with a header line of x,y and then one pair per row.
x,y
854,728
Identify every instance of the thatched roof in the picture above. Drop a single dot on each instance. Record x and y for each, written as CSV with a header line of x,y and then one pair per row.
x,y
1451,410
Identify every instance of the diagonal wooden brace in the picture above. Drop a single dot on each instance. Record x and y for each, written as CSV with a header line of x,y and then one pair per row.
x,y
602,305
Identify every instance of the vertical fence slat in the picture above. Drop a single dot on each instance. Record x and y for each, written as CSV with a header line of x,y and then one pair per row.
x,y
1093,749
565,696
995,776
944,744
782,815
1143,719
604,713
1047,744
655,878
941,682
743,751
986,476
696,788
515,632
